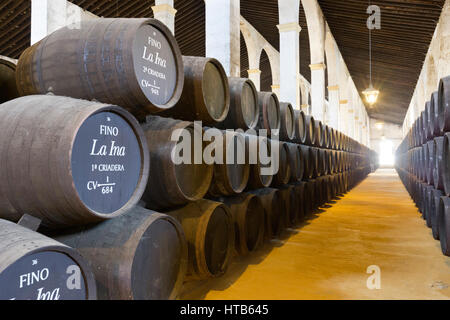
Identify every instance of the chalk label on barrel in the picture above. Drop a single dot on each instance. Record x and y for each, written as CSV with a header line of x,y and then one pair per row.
x,y
154,64
106,162
47,275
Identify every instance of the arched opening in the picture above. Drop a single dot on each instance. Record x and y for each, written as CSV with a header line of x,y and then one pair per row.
x,y
244,57
266,72
305,55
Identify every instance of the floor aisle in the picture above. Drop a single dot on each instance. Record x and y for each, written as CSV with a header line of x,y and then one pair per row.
x,y
327,258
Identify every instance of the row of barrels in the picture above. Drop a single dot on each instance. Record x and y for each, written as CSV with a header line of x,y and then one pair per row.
x,y
76,165
423,163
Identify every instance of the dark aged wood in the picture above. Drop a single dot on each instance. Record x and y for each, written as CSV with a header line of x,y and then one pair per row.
x,y
141,255
231,176
274,208
248,218
244,105
8,88
283,174
446,164
206,93
269,112
309,194
301,199
438,175
310,130
173,184
290,198
431,162
209,230
443,222
433,117
24,253
309,161
300,128
255,147
61,164
134,63
296,161
444,105
426,122
287,122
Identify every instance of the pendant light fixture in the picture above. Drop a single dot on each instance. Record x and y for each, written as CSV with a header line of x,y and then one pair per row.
x,y
371,93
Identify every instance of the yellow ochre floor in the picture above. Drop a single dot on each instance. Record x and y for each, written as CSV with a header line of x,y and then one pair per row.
x,y
327,257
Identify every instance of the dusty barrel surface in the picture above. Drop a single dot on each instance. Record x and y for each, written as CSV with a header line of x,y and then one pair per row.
x,y
133,63
310,130
433,116
287,122
206,93
8,87
426,122
290,199
231,176
258,156
296,161
175,180
300,127
141,255
248,218
269,112
446,164
35,267
443,107
443,221
282,163
208,227
274,208
431,162
438,173
244,106
434,207
301,198
69,161
308,161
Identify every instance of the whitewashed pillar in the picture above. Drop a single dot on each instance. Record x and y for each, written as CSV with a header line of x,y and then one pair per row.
x,y
223,33
318,90
164,11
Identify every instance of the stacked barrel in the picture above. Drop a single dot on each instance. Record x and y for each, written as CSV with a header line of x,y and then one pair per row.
x,y
423,163
153,168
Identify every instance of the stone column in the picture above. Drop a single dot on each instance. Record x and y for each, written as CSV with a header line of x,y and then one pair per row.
x,y
289,62
318,90
164,11
255,76
334,107
223,34
48,16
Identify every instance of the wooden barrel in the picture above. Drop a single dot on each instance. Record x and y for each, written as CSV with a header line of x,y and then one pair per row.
x,y
244,106
425,161
35,267
281,160
301,199
208,227
443,222
319,192
274,209
433,117
206,93
248,218
232,174
434,210
269,112
69,161
438,174
290,199
443,107
426,122
316,163
309,204
8,87
287,122
429,201
258,149
142,255
175,178
300,127
446,164
133,63
296,162
431,161
310,129
308,162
